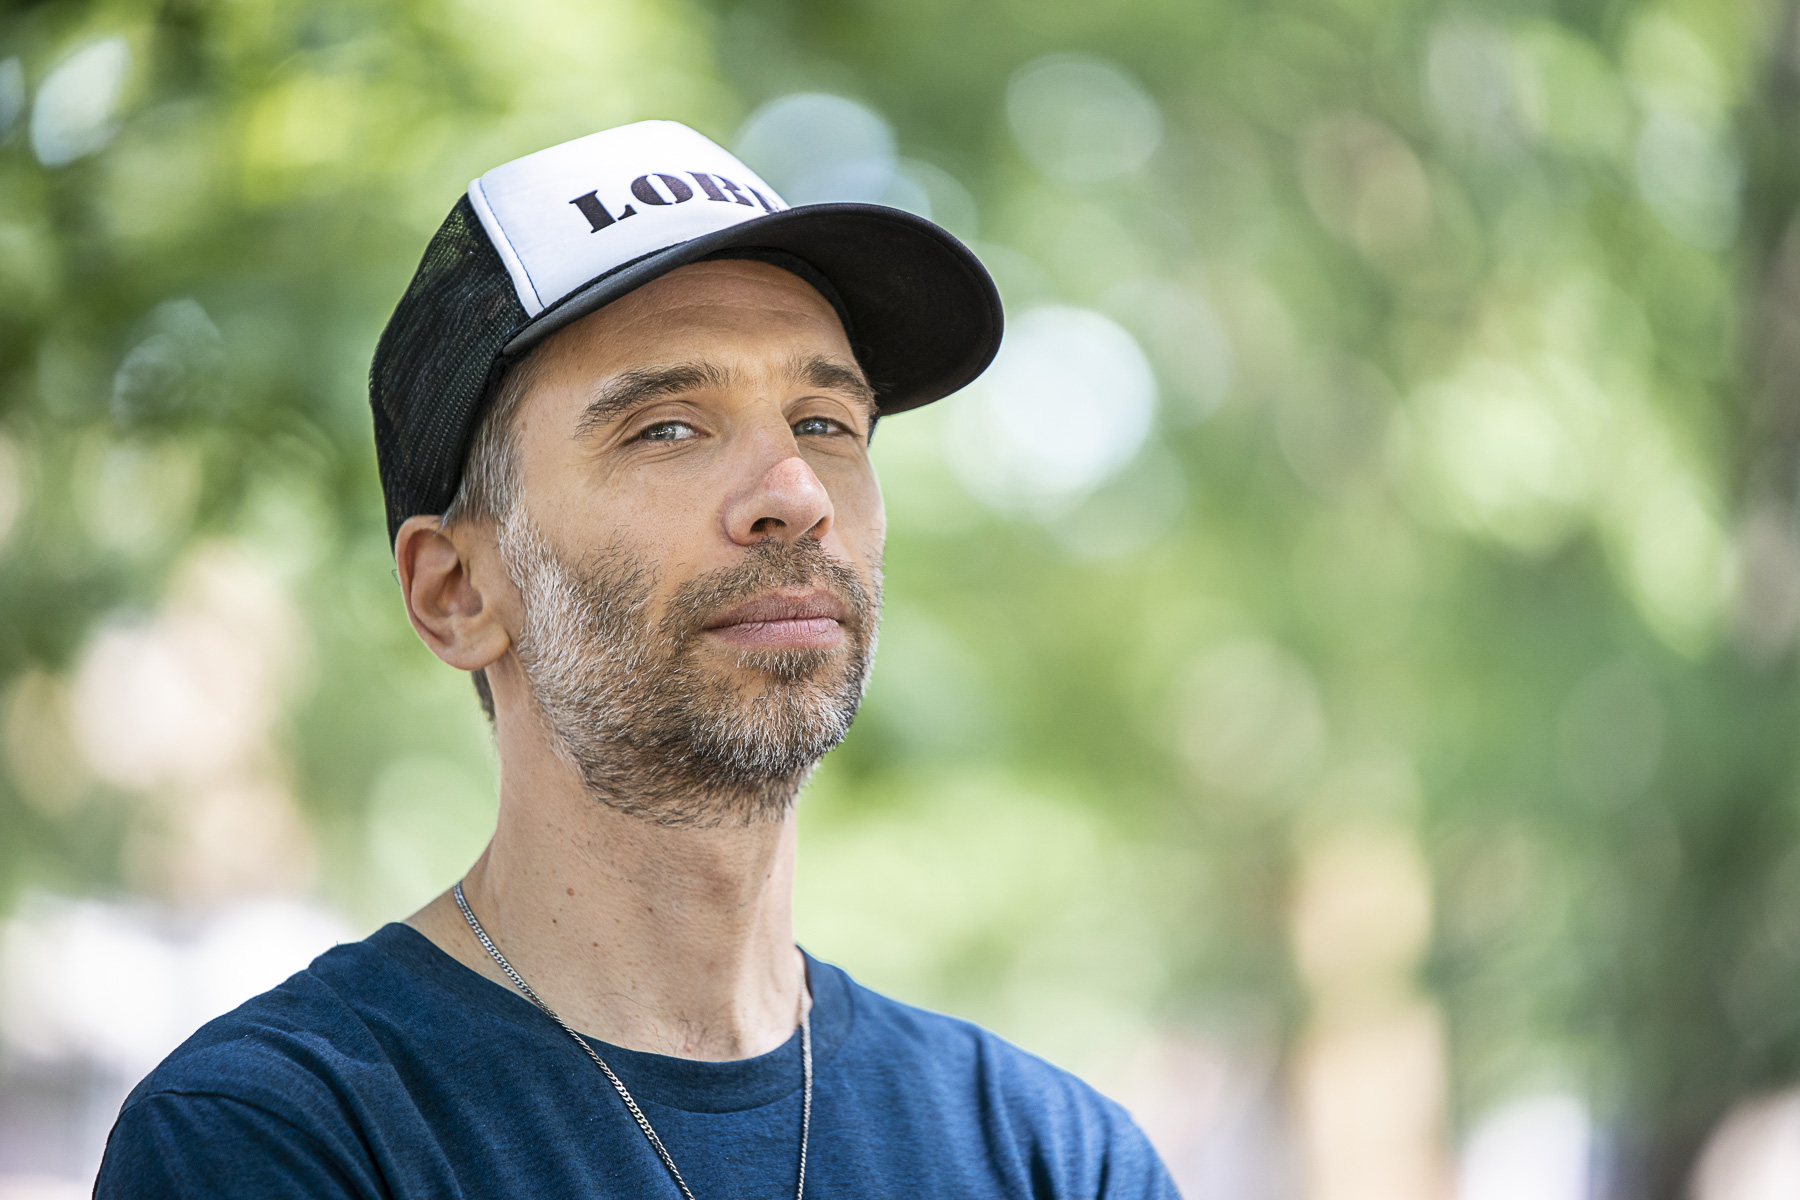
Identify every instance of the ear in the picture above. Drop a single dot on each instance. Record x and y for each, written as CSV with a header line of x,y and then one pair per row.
x,y
446,606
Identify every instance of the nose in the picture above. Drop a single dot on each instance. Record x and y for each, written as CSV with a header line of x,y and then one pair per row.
x,y
788,503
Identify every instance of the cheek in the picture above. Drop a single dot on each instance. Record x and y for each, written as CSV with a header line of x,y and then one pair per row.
x,y
654,506
858,514
673,528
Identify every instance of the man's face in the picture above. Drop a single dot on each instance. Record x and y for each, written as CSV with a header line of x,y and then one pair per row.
x,y
696,545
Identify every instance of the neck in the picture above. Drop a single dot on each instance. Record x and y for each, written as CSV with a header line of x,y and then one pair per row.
x,y
674,940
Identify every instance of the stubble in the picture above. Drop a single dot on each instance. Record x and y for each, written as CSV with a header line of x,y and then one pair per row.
x,y
656,724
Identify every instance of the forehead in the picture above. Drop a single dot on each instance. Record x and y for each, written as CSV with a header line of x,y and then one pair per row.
x,y
733,307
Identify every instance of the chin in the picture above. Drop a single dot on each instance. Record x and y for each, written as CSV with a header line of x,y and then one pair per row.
x,y
791,668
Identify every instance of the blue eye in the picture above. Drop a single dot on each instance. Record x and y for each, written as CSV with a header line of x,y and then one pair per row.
x,y
667,431
814,426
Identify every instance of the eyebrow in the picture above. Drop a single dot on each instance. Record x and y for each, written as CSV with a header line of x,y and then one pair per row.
x,y
834,375
631,389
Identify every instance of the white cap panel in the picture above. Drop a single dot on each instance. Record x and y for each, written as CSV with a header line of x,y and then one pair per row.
x,y
565,215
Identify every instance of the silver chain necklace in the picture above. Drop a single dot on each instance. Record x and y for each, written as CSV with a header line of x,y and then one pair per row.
x,y
637,1114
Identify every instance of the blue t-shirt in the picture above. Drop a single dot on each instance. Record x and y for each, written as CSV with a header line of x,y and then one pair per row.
x,y
389,1069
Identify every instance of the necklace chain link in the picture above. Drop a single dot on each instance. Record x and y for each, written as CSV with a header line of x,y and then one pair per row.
x,y
637,1114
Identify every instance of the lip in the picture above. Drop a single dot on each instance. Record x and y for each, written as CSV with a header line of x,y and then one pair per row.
x,y
782,620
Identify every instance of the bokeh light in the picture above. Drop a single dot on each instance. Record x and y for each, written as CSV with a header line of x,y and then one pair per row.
x,y
1067,402
1083,120
815,148
72,115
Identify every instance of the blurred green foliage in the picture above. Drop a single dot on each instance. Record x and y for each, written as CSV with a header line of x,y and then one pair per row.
x,y
1469,508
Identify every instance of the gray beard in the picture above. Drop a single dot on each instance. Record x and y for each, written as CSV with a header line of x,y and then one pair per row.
x,y
651,730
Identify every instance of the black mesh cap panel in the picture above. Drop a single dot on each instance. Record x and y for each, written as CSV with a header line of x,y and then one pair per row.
x,y
435,364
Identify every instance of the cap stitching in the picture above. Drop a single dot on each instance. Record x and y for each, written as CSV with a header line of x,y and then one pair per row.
x,y
490,222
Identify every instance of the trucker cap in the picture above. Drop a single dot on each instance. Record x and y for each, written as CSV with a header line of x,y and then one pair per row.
x,y
544,240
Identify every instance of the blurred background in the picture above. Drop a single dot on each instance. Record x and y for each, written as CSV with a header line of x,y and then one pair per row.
x,y
1338,688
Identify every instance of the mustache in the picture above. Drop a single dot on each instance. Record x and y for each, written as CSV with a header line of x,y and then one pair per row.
x,y
765,566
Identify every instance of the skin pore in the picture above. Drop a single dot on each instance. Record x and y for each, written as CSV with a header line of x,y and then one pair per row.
x,y
704,441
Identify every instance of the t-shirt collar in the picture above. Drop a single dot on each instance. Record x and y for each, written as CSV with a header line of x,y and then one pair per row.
x,y
661,1079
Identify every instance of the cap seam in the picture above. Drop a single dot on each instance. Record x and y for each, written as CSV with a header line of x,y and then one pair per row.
x,y
509,254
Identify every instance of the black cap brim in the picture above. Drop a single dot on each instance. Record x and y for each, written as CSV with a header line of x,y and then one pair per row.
x,y
925,316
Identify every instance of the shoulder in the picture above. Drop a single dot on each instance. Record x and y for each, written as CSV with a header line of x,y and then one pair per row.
x,y
288,1072
920,1038
190,1144
1044,1119
294,1047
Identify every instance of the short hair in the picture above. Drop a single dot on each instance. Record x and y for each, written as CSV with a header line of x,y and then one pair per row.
x,y
490,480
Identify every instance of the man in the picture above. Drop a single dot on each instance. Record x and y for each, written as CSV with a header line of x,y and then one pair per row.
x,y
623,417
